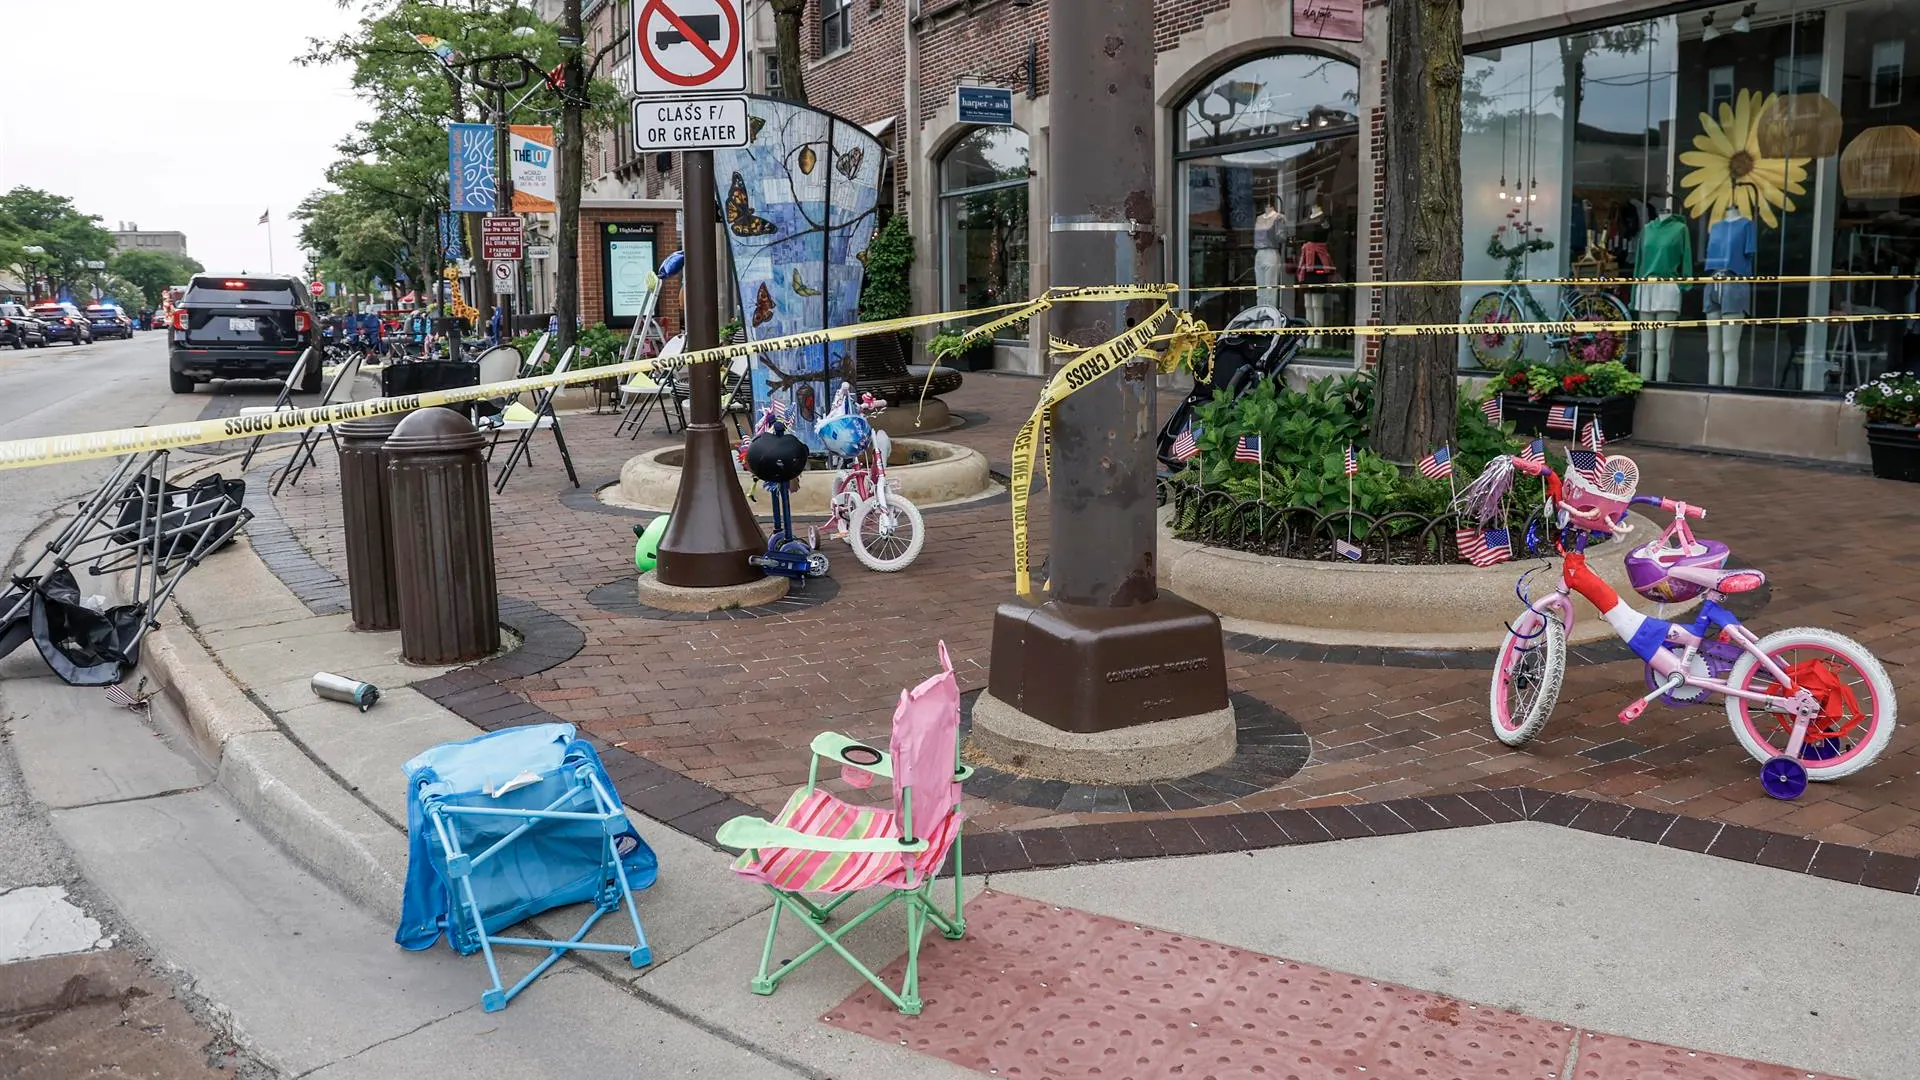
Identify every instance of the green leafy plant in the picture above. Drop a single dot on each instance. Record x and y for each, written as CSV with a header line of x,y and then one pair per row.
x,y
1574,378
886,292
729,329
598,347
946,344
1890,399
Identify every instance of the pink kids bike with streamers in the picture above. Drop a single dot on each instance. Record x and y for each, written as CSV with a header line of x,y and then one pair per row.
x,y
1807,703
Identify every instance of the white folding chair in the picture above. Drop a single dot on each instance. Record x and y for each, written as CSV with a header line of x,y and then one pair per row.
x,y
502,363
644,394
542,417
339,389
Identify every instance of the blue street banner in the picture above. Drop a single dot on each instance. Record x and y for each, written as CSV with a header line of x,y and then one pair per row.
x,y
451,246
473,164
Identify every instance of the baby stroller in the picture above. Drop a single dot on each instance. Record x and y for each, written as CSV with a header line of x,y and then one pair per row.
x,y
1240,362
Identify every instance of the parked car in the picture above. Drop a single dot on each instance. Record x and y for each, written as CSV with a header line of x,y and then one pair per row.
x,y
64,322
251,326
20,327
109,321
159,321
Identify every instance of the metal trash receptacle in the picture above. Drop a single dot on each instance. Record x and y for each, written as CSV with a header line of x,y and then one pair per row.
x,y
438,492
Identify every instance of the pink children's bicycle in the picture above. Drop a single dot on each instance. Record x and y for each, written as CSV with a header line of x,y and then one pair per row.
x,y
882,526
1807,703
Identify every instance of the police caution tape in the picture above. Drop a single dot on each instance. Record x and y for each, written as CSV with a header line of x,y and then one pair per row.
x,y
1592,282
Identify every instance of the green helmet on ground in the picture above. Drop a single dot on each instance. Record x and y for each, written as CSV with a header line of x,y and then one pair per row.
x,y
646,551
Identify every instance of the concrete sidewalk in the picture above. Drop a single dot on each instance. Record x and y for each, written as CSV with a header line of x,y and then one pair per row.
x,y
284,911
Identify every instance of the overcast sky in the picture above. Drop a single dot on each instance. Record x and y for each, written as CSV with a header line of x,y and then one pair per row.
x,y
186,114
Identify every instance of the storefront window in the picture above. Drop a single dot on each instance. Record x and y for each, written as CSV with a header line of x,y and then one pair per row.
x,y
1772,142
983,219
1268,162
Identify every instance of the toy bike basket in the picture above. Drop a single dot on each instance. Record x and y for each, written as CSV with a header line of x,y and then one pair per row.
x,y
1599,500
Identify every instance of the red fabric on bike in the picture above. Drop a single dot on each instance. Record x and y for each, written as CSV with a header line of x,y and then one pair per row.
x,y
1840,710
1581,579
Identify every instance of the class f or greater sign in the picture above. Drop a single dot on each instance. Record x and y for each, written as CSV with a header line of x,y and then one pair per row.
x,y
689,124
688,47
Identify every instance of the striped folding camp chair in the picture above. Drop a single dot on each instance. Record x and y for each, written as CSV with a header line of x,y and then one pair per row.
x,y
829,848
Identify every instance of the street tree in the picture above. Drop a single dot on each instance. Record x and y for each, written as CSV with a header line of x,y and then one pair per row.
x,y
150,272
1415,401
68,239
789,16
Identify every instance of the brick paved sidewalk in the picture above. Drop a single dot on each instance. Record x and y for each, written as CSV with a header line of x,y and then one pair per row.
x,y
732,704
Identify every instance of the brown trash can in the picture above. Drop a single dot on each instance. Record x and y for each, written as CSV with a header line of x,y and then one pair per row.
x,y
442,539
368,522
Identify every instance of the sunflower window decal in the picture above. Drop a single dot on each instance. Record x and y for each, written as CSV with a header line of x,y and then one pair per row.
x,y
1730,171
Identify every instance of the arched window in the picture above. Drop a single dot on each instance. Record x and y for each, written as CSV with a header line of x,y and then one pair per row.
x,y
1268,156
983,219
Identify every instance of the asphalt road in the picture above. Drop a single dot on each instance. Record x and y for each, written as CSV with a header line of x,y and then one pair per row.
x,y
68,1009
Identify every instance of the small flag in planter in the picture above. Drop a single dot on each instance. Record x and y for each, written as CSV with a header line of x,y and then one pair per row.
x,y
1185,448
1492,410
1353,463
1535,453
1348,549
1488,548
1437,465
1562,417
1594,439
1247,449
1585,462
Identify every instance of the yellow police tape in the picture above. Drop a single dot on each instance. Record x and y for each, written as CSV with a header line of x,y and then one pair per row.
x,y
1745,279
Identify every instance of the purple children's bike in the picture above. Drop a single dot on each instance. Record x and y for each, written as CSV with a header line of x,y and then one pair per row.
x,y
1807,703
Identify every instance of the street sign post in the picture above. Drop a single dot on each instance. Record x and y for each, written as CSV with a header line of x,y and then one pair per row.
x,y
689,123
316,289
501,237
505,276
688,47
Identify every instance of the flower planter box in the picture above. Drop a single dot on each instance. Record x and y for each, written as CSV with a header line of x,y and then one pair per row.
x,y
1530,417
1896,451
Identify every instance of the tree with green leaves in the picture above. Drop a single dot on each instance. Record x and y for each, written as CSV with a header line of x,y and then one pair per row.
x,y
66,238
150,272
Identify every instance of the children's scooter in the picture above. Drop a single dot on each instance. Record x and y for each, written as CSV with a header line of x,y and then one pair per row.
x,y
776,458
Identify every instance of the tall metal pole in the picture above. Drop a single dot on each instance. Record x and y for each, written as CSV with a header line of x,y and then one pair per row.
x,y
1106,616
712,532
502,200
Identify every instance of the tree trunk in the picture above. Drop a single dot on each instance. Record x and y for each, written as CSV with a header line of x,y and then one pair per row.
x,y
788,17
573,163
1414,402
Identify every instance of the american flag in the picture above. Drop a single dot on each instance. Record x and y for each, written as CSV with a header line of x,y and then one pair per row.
x,y
1535,453
1185,447
779,410
1594,439
1437,465
1487,548
1492,410
1562,417
1247,449
1353,463
1585,462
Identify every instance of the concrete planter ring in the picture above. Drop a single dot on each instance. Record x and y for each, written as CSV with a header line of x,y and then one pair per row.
x,y
927,472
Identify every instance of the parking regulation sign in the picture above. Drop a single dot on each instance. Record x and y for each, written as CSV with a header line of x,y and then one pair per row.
x,y
688,47
689,123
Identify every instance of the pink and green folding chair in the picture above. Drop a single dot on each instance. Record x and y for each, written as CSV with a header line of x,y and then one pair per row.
x,y
820,850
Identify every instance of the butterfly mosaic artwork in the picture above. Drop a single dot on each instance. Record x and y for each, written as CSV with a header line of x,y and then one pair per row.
x,y
800,202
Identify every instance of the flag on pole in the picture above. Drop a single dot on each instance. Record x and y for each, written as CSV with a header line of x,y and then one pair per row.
x,y
1187,447
1488,548
1594,439
1247,449
264,215
1585,462
1493,411
1535,453
1437,465
1562,417
1353,463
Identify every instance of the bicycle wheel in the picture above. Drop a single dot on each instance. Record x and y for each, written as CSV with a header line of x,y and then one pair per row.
x,y
1494,348
1601,346
1526,677
1857,703
887,538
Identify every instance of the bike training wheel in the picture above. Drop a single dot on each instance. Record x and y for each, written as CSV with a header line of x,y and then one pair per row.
x,y
1857,715
1600,307
887,538
1494,349
1783,778
1527,672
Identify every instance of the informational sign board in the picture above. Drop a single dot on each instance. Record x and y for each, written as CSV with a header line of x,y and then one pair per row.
x,y
501,237
628,258
985,105
686,123
688,47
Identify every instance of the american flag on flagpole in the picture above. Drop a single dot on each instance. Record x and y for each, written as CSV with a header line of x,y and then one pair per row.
x,y
1488,548
1493,411
1563,417
264,215
1594,439
1535,453
1437,465
1353,463
1247,449
1185,448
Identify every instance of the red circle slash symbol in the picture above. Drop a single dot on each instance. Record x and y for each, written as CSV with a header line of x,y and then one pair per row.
x,y
719,60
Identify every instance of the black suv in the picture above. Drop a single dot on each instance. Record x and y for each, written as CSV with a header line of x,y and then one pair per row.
x,y
20,327
241,326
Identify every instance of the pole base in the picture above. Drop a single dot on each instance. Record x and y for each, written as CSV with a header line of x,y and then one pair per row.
x,y
1009,739
1093,669
712,533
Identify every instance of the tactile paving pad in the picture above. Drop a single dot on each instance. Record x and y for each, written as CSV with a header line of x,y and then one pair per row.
x,y
1610,1057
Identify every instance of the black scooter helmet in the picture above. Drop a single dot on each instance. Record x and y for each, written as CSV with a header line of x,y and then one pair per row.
x,y
777,456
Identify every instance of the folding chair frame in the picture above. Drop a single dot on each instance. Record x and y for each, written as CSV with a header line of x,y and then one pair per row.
x,y
612,818
922,907
283,400
310,437
522,446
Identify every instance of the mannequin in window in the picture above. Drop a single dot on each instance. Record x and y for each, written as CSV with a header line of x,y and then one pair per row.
x,y
1732,244
1315,268
1666,251
1269,240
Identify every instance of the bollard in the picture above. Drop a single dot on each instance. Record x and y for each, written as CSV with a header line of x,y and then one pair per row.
x,y
437,493
368,520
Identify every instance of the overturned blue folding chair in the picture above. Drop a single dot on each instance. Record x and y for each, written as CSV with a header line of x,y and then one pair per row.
x,y
506,826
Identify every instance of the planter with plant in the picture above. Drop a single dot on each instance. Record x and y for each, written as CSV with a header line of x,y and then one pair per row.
x,y
598,346
1605,390
951,348
1892,406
